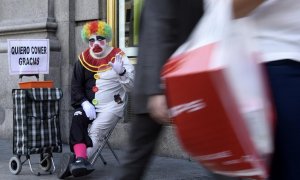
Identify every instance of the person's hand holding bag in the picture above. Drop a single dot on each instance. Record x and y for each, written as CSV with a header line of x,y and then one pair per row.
x,y
242,8
158,109
89,110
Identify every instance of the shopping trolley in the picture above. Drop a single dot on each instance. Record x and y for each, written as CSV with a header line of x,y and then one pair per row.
x,y
36,128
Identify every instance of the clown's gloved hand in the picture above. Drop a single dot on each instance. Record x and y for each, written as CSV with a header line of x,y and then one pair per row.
x,y
89,110
118,65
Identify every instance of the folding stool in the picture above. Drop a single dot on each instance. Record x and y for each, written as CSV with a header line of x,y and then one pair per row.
x,y
102,145
105,139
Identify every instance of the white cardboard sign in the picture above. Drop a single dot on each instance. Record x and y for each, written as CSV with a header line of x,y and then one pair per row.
x,y
28,56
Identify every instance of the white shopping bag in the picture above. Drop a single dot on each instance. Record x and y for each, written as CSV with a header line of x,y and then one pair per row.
x,y
218,97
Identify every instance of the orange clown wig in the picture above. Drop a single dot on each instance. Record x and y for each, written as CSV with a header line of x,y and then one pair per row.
x,y
99,28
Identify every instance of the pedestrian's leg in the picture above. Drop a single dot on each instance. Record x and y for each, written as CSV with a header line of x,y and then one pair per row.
x,y
285,84
99,128
143,137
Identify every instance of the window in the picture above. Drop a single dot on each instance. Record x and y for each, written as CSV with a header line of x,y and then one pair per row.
x,y
124,16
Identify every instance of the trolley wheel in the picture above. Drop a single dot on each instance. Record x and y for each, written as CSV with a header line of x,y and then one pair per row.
x,y
15,165
46,164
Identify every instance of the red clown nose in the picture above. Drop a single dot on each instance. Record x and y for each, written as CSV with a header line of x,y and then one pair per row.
x,y
97,49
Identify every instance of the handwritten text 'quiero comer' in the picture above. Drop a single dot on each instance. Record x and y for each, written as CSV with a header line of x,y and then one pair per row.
x,y
26,50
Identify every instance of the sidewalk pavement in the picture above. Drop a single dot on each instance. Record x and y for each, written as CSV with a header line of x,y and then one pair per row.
x,y
161,168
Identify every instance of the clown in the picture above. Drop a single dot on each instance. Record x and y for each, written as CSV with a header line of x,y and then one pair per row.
x,y
101,77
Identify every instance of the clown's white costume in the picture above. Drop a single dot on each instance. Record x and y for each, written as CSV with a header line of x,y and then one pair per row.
x,y
101,77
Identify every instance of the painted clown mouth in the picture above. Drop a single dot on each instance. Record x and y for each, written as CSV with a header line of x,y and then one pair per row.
x,y
97,49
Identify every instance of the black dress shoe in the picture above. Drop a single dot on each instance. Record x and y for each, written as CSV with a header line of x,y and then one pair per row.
x,y
81,167
63,169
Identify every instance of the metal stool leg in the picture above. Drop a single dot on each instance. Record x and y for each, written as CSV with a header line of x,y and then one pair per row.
x,y
97,154
102,158
113,152
104,142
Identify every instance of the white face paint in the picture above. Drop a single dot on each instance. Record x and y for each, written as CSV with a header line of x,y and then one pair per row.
x,y
98,45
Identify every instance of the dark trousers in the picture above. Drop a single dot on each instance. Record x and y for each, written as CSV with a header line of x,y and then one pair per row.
x,y
284,77
79,129
143,137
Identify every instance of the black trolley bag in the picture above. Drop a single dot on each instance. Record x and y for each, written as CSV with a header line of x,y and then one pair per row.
x,y
36,127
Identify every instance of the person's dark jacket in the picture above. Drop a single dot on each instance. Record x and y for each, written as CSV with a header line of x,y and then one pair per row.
x,y
165,25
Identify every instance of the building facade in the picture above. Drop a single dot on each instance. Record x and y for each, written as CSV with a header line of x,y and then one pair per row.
x,y
61,21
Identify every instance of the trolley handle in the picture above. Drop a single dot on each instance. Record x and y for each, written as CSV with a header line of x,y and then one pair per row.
x,y
36,75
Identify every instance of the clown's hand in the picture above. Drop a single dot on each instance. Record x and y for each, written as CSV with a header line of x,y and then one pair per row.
x,y
89,110
118,65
